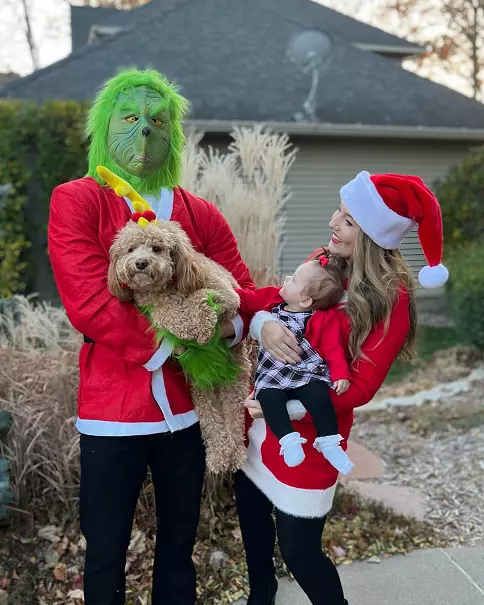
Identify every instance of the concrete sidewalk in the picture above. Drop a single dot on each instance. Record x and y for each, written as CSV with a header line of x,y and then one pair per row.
x,y
453,576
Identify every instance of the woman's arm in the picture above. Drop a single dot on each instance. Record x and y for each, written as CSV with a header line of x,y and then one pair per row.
x,y
330,345
381,349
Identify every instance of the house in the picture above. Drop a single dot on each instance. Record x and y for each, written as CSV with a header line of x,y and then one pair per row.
x,y
230,59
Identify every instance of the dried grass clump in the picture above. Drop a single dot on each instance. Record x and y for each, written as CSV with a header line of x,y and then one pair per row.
x,y
248,185
27,325
39,389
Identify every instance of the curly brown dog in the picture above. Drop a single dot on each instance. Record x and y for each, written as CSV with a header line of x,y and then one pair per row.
x,y
157,266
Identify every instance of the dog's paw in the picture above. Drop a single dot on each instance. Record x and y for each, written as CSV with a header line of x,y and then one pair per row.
x,y
227,302
208,321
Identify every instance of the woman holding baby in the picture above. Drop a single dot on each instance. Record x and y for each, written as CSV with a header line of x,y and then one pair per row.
x,y
377,319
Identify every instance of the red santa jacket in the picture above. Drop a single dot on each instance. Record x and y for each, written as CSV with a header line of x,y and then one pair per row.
x,y
308,489
126,386
323,330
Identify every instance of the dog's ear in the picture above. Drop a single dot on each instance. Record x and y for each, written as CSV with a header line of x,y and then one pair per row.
x,y
118,290
190,276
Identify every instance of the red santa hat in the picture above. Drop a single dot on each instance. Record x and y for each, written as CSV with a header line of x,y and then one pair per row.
x,y
388,206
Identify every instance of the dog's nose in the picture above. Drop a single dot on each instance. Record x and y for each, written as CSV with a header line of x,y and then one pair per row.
x,y
146,131
141,264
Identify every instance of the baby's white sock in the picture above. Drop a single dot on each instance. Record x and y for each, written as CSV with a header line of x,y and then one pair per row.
x,y
330,448
291,448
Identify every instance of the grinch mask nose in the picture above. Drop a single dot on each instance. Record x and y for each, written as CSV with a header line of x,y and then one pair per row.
x,y
146,131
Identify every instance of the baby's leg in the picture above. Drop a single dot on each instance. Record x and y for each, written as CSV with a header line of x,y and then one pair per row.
x,y
315,397
274,406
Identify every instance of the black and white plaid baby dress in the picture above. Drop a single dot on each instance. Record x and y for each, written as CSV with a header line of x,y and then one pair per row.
x,y
274,374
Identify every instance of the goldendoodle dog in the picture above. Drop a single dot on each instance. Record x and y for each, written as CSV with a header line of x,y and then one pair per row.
x,y
157,267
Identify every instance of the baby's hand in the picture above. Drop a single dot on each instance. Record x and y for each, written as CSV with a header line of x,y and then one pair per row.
x,y
341,386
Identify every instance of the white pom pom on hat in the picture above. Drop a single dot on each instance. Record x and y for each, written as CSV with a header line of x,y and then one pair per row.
x,y
388,206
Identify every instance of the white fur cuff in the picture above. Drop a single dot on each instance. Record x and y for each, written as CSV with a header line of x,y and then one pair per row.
x,y
258,321
159,358
239,331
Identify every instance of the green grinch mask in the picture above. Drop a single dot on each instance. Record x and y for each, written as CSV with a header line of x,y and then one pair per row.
x,y
135,126
139,131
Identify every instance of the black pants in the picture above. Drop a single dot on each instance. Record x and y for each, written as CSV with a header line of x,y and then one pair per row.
x,y
315,398
299,542
112,472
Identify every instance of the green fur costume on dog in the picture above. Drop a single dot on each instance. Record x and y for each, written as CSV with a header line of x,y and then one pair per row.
x,y
205,366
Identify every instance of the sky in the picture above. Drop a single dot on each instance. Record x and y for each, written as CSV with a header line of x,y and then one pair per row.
x,y
51,30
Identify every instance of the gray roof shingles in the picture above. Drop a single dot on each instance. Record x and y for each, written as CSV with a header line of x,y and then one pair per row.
x,y
229,57
314,14
83,18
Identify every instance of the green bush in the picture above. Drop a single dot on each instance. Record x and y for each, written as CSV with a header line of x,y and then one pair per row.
x,y
41,146
465,292
461,196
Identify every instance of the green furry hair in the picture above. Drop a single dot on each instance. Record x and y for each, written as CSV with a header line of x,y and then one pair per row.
x,y
169,175
205,366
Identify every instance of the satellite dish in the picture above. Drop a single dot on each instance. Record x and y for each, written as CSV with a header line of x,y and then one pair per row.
x,y
310,51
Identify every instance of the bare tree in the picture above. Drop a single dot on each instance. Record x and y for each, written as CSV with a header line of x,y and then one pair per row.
x,y
452,32
29,35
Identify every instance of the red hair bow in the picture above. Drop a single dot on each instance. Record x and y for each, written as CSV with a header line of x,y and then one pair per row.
x,y
323,261
149,215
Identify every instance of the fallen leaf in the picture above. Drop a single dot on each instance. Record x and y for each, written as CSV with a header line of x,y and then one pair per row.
x,y
63,545
138,543
50,533
73,548
374,559
338,551
76,594
60,572
77,582
51,557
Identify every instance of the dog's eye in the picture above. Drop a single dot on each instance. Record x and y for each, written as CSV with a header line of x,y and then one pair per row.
x,y
131,250
156,249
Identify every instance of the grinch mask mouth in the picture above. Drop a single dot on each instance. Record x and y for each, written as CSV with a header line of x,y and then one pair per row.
x,y
139,131
145,159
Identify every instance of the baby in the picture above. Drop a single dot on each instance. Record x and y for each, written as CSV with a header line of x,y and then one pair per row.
x,y
306,305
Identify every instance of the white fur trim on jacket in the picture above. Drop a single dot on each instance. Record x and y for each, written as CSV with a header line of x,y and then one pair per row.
x,y
258,321
159,358
385,227
106,428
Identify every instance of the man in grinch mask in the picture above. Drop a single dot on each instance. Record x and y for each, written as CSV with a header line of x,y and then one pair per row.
x,y
135,410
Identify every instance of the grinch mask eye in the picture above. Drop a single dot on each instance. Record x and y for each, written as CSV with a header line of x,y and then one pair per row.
x,y
132,119
157,122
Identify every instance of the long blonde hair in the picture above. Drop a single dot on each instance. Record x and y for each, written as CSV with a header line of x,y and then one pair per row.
x,y
376,276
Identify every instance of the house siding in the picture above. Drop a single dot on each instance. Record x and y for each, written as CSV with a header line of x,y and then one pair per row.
x,y
323,166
